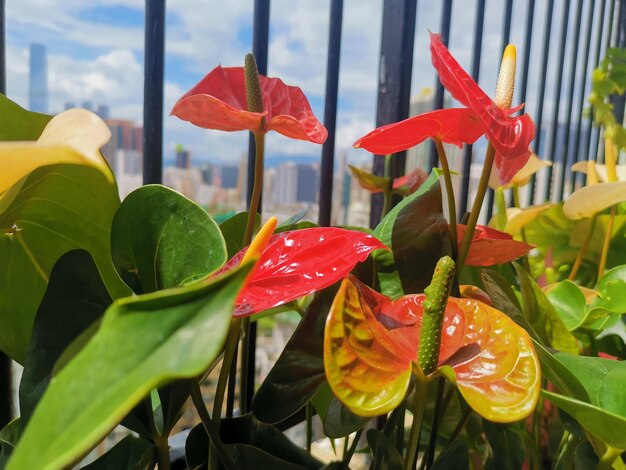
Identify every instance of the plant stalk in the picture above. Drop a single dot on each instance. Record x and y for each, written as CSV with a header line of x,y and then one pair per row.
x,y
476,206
447,180
229,352
348,455
309,427
606,244
388,191
583,250
432,443
209,426
606,462
419,404
163,452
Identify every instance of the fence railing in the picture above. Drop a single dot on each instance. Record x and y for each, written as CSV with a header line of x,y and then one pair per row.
x,y
586,28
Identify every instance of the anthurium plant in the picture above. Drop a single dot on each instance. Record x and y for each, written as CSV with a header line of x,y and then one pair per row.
x,y
424,343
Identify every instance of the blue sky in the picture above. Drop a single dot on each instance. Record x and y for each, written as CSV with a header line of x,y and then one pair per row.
x,y
95,53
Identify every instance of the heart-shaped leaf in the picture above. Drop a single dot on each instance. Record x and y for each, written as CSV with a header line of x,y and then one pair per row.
x,y
143,342
160,239
131,453
54,210
417,233
75,298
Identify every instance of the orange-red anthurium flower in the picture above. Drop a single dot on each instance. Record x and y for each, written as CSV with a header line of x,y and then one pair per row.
x,y
294,264
371,342
219,101
490,246
510,136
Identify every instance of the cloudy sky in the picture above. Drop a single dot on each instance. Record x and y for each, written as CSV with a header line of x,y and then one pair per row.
x,y
95,53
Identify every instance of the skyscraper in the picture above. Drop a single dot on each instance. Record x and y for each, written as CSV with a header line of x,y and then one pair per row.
x,y
38,79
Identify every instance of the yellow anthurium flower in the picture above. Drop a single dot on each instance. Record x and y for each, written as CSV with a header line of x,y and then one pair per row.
x,y
75,136
522,177
601,170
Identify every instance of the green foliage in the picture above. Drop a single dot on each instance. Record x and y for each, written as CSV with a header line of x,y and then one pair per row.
x,y
18,123
131,453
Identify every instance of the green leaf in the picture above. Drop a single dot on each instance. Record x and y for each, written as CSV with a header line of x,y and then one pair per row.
x,y
9,435
456,456
339,421
506,445
369,181
54,210
131,453
542,316
299,371
247,456
417,233
557,373
618,273
76,298
234,229
18,123
143,342
569,302
501,293
290,222
160,239
609,427
385,456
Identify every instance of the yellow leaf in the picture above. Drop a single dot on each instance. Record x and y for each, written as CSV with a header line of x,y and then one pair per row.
x,y
590,200
74,136
522,177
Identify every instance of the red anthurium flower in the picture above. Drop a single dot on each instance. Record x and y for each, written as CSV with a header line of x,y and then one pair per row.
x,y
219,101
294,264
370,343
490,246
509,135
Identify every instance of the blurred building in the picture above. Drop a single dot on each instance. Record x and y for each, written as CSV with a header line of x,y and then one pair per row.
x,y
296,183
38,79
183,157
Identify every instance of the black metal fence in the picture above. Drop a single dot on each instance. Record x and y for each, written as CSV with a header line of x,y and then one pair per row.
x,y
585,28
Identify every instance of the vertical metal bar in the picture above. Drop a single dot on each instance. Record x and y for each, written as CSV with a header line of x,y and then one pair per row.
x,y
153,92
528,34
542,89
394,85
330,112
618,101
444,31
582,88
570,99
557,98
596,146
260,41
467,152
6,382
506,35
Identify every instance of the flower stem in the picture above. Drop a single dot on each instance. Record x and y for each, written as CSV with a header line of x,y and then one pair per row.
x,y
388,191
229,352
309,426
447,180
419,404
209,425
606,244
348,455
606,462
434,430
583,250
163,452
476,206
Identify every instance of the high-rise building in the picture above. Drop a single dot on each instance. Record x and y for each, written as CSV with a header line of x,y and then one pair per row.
x,y
38,79
296,183
103,111
229,176
183,157
308,183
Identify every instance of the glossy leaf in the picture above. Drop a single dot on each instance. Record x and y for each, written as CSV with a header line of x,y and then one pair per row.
x,y
160,239
75,298
339,421
19,123
370,342
456,126
385,456
510,136
543,317
417,233
219,101
490,246
456,456
74,136
300,262
590,200
299,371
54,210
143,342
9,435
569,302
131,453
233,231
557,373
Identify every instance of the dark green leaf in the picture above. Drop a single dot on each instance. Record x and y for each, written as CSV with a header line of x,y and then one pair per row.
x,y
385,456
340,421
55,209
542,316
160,239
247,457
612,344
506,445
18,123
131,453
9,435
455,456
299,371
557,373
143,342
501,293
289,223
75,298
234,229
417,233
585,457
